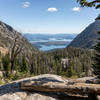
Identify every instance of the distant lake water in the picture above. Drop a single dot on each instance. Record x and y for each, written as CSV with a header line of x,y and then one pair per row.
x,y
46,42
46,48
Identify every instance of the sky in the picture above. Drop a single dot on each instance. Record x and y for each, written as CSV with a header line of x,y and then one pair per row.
x,y
46,16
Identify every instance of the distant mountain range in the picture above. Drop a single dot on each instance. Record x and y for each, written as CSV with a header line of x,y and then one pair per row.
x,y
37,36
50,41
87,38
7,38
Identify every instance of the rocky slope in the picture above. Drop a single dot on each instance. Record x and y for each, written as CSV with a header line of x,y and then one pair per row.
x,y
87,38
7,37
13,91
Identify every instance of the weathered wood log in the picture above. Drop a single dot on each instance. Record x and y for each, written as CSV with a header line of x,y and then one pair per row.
x,y
78,88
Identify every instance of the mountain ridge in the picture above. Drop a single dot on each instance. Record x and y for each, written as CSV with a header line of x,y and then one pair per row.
x,y
87,38
8,35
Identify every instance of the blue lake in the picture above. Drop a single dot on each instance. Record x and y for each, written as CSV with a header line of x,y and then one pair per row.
x,y
46,42
46,48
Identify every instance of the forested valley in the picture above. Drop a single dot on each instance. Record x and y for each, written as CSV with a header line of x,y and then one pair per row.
x,y
68,62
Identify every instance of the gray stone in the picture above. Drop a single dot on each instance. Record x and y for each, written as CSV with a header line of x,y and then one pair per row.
x,y
37,96
28,96
1,74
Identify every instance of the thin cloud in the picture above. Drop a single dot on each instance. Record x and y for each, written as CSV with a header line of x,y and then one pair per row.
x,y
26,4
77,9
52,9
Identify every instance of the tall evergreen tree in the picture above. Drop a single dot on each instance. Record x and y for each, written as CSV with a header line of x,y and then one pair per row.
x,y
24,67
96,65
6,64
0,62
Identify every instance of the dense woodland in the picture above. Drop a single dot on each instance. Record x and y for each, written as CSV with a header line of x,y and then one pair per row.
x,y
79,62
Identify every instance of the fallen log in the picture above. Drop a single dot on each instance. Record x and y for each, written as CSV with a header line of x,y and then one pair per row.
x,y
78,88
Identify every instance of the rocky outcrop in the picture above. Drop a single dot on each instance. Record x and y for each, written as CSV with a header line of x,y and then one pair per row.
x,y
89,80
48,87
77,88
13,91
16,85
28,96
7,36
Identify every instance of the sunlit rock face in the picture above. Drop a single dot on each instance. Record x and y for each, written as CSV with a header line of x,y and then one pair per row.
x,y
45,83
13,91
28,96
7,38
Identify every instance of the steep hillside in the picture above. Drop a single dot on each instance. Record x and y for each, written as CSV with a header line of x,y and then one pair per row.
x,y
7,38
87,38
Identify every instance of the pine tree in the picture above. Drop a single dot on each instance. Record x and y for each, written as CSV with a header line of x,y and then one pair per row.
x,y
6,64
0,62
39,65
96,65
59,68
24,67
70,70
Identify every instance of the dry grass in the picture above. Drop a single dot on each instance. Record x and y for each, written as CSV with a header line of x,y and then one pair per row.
x,y
3,50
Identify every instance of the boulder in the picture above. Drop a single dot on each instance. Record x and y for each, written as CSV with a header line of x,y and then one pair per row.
x,y
13,91
15,85
89,80
10,97
77,88
49,87
1,74
28,96
48,78
98,97
93,80
37,96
